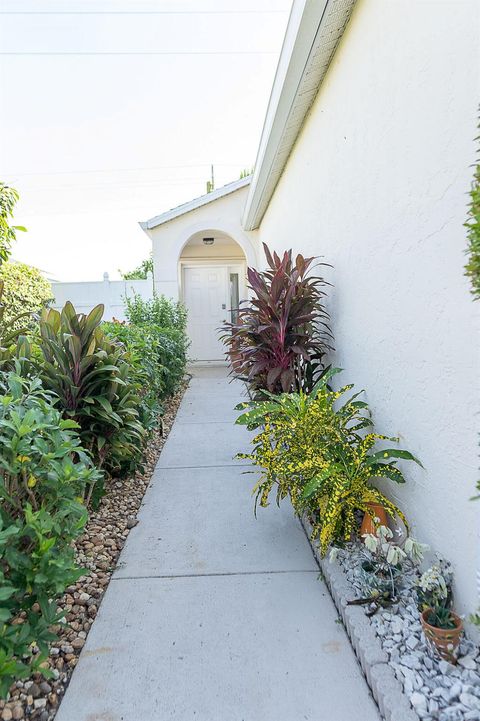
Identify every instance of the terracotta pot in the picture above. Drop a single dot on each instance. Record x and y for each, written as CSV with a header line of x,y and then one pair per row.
x,y
444,640
377,511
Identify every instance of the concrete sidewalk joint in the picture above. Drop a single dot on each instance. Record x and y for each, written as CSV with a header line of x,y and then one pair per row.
x,y
208,575
220,617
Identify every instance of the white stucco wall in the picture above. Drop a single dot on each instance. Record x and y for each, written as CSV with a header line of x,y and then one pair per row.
x,y
86,295
222,216
377,184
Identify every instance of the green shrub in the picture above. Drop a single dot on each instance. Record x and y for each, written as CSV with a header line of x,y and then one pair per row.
x,y
158,356
44,477
472,269
8,233
143,348
312,449
11,331
159,311
140,272
173,346
92,378
25,292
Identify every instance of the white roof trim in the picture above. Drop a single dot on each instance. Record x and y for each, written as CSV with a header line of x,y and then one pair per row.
x,y
195,203
314,30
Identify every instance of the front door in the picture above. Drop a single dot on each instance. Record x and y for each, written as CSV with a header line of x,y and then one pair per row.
x,y
206,298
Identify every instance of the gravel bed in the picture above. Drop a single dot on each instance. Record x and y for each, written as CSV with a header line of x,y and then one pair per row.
x,y
98,550
437,690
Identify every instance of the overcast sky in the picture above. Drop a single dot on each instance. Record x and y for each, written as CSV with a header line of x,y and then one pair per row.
x,y
110,116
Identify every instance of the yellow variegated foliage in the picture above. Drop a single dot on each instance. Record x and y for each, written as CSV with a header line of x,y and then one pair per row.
x,y
313,449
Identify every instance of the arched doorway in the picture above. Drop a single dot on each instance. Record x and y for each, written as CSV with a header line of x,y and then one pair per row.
x,y
212,268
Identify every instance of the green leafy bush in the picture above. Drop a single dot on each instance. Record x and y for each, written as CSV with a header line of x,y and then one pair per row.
x,y
173,347
140,272
11,331
143,348
8,233
159,311
312,448
44,477
25,292
158,357
472,269
156,338
91,376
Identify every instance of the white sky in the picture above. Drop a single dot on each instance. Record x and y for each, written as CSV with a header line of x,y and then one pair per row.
x,y
96,142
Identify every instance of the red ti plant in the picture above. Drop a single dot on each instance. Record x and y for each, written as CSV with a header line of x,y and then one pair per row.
x,y
281,335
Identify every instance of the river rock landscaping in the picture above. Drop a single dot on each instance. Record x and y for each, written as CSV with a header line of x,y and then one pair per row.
x,y
97,550
437,690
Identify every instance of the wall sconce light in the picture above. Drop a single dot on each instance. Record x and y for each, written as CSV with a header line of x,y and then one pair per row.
x,y
208,241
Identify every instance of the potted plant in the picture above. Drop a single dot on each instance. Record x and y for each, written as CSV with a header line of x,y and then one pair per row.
x,y
441,626
374,516
385,561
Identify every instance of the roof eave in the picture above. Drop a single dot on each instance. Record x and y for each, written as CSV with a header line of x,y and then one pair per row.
x,y
314,30
194,204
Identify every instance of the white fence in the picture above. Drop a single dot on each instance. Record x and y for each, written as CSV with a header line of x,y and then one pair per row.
x,y
111,293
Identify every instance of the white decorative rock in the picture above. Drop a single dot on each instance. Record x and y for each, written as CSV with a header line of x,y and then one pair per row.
x,y
470,701
418,700
467,662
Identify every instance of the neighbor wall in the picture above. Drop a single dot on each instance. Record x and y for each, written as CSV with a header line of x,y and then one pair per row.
x,y
112,293
377,184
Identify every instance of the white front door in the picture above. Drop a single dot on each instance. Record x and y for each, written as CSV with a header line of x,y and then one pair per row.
x,y
206,298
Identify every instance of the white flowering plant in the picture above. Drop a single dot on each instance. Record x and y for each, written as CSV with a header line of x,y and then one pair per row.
x,y
386,560
434,587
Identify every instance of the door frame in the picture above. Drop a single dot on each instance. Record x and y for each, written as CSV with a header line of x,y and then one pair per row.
x,y
231,264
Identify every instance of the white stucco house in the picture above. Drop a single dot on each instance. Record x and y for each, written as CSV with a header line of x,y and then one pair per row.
x,y
200,254
366,159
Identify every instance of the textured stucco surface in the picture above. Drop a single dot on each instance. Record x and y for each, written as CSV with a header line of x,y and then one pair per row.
x,y
221,217
377,184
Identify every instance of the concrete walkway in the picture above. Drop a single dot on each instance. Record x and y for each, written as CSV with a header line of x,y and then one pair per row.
x,y
213,615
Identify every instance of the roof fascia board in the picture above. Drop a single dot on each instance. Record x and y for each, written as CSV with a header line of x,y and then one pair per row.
x,y
285,113
194,204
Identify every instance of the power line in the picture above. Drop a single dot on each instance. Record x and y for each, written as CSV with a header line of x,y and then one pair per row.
x,y
143,12
117,185
141,52
132,170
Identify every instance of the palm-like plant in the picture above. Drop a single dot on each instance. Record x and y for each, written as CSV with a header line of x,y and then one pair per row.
x,y
90,375
282,334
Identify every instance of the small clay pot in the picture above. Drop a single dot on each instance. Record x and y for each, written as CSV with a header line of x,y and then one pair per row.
x,y
444,640
376,511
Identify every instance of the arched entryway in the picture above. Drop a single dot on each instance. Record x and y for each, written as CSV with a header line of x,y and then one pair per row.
x,y
212,267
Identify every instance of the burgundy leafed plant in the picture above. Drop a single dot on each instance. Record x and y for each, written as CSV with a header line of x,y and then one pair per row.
x,y
281,335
